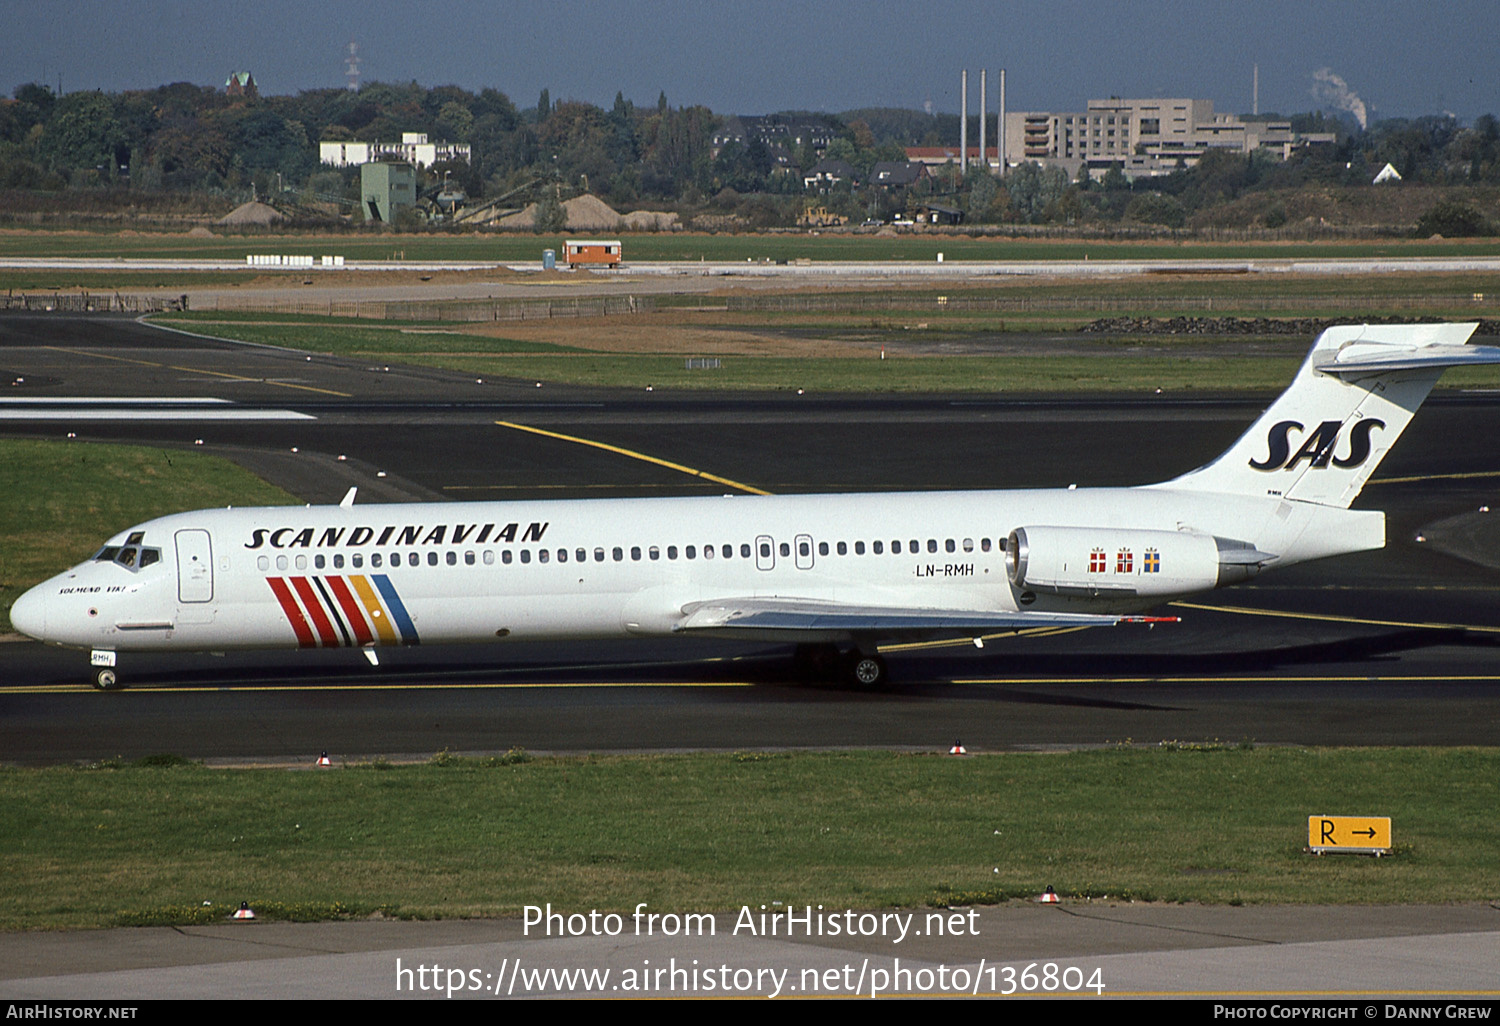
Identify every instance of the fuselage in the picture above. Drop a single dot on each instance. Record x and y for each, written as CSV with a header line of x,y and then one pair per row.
x,y
380,575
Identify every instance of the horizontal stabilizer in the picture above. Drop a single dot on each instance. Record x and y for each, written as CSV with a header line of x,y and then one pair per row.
x,y
1358,359
765,616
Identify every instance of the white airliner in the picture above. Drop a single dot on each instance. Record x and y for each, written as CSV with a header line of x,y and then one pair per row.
x,y
836,574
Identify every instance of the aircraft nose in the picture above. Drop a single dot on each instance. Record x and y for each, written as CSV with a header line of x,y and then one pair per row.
x,y
29,614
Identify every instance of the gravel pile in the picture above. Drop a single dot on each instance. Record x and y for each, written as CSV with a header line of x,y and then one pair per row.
x,y
1307,326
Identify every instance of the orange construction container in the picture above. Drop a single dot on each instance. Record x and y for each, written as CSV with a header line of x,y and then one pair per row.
x,y
591,251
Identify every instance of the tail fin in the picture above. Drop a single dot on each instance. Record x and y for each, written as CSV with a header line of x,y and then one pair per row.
x,y
1355,394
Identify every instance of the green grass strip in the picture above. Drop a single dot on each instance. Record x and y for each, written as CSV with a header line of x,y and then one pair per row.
x,y
706,832
738,248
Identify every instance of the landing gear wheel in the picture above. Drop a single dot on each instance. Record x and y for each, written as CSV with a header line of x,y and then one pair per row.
x,y
867,671
105,679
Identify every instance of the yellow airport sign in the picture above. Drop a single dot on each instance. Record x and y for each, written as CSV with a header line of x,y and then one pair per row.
x,y
1364,835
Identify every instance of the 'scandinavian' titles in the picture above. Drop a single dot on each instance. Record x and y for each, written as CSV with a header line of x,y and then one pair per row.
x,y
409,534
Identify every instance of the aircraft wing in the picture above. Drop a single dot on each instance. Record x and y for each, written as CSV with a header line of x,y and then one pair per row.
x,y
790,618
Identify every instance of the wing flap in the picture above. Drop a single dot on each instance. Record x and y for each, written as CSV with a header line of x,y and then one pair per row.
x,y
764,616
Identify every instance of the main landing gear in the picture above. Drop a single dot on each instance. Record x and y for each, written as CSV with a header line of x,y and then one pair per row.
x,y
826,662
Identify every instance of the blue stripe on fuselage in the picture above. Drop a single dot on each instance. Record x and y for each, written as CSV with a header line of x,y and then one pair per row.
x,y
396,609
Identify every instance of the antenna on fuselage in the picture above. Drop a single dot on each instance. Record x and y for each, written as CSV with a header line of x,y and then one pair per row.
x,y
348,500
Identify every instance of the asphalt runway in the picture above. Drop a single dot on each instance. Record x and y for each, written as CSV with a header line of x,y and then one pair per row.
x,y
1393,647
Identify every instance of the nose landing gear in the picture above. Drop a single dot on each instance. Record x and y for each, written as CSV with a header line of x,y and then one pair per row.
x,y
105,677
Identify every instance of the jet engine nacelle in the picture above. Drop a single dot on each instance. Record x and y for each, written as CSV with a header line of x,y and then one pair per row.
x,y
1103,560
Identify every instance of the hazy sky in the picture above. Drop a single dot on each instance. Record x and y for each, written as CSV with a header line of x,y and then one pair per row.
x,y
756,56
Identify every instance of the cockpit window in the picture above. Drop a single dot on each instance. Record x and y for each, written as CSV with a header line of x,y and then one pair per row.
x,y
131,557
136,537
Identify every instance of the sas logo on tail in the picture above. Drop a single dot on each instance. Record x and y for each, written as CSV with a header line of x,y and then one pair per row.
x,y
1317,448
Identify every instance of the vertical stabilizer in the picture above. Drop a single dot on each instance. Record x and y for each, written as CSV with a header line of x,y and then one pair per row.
x,y
1356,392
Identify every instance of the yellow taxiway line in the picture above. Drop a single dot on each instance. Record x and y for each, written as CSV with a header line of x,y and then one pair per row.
x,y
199,370
1329,617
635,456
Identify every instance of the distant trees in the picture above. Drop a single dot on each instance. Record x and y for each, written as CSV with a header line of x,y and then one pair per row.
x,y
182,136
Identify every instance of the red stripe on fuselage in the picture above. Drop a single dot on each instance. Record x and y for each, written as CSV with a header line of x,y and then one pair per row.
x,y
352,612
315,610
293,612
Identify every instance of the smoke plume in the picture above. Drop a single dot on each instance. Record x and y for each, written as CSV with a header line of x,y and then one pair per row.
x,y
1332,91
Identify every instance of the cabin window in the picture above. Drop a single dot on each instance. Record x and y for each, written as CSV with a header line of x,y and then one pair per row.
x,y
541,555
708,552
374,559
599,555
319,561
859,548
357,560
301,562
931,544
526,555
469,558
805,549
843,548
281,562
691,552
895,548
984,543
489,557
635,552
453,558
876,547
968,544
671,551
949,546
562,555
582,555
263,562
654,552
765,550
505,557
618,553
786,549
432,558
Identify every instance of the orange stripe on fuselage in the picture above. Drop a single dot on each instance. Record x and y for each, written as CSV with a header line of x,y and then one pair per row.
x,y
372,605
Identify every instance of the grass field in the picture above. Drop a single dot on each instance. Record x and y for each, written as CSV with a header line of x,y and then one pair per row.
x,y
137,845
677,246
95,491
768,348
